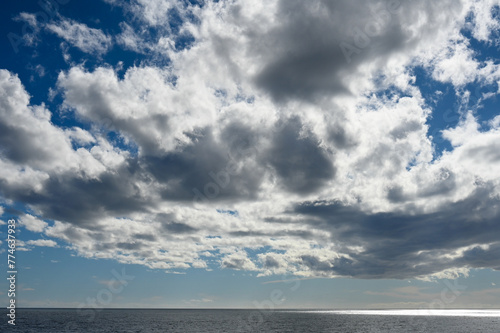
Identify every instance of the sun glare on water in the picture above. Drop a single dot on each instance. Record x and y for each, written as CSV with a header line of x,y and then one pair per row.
x,y
421,312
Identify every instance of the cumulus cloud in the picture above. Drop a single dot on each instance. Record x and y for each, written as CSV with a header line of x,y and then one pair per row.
x,y
33,224
299,144
395,245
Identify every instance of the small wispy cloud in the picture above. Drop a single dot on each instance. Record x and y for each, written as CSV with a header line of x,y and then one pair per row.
x,y
199,301
88,40
42,242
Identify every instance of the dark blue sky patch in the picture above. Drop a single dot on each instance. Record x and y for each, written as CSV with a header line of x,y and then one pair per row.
x,y
483,101
184,41
175,20
444,103
483,51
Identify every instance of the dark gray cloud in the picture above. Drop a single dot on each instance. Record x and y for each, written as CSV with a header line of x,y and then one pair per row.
x,y
202,167
490,154
233,264
396,194
129,246
303,234
401,246
239,139
308,61
171,226
179,228
16,143
207,169
270,262
146,237
237,263
340,138
67,197
403,130
442,186
300,163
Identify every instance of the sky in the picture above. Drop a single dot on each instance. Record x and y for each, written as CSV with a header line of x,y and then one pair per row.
x,y
251,154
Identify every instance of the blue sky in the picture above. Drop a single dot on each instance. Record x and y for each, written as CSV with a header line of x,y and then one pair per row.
x,y
220,153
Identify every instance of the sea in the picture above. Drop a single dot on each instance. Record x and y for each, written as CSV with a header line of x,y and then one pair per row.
x,y
278,321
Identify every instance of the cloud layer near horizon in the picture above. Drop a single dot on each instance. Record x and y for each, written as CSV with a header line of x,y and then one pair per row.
x,y
288,137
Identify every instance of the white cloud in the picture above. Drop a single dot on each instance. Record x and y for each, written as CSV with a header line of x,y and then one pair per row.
x,y
129,39
145,107
456,66
199,301
89,40
32,141
152,12
80,136
21,246
42,242
32,223
238,261
31,138
483,21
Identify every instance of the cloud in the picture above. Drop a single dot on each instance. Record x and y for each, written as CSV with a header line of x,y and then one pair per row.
x,y
484,22
42,168
395,245
33,224
27,135
238,261
88,40
169,25
21,246
30,139
298,159
308,51
325,158
198,301
144,107
30,38
457,67
42,242
153,13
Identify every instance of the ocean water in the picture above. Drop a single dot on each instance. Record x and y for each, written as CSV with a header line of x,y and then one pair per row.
x,y
129,320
